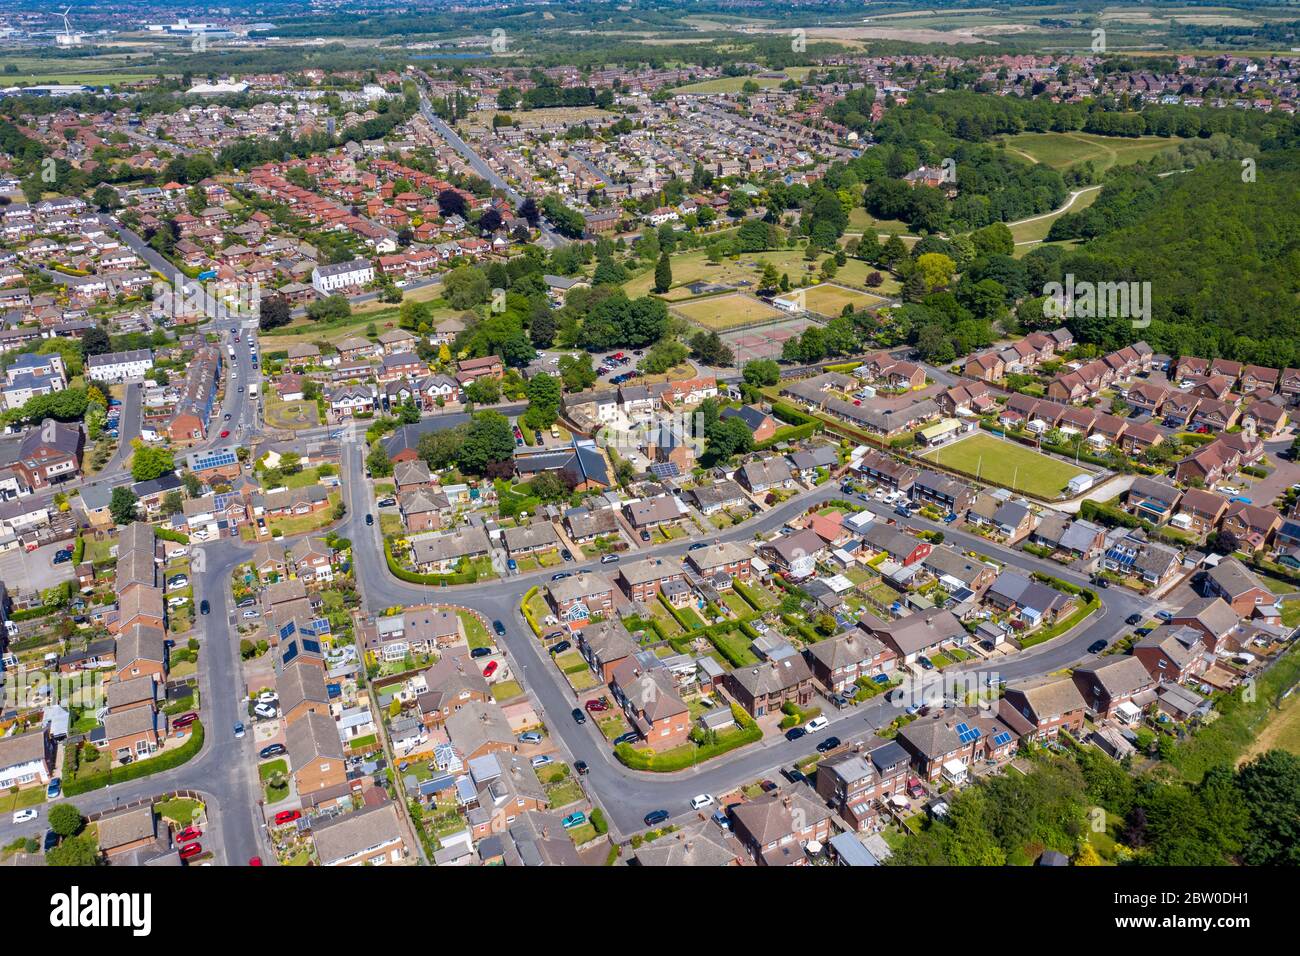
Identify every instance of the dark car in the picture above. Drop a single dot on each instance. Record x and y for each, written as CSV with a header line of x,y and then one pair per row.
x,y
793,774
566,554
645,535
578,716
51,840
272,750
560,648
561,575
926,663
581,767
1133,619
1096,647
794,733
62,555
630,737
697,545
370,519
480,652
827,745
204,606
656,817
499,628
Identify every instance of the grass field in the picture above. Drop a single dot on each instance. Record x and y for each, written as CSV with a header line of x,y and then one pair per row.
x,y
1282,732
1006,464
692,267
723,312
1036,229
829,300
1063,150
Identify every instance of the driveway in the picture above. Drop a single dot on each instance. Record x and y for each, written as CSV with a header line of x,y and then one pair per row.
x,y
35,570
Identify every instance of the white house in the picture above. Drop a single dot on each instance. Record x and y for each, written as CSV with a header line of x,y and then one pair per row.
x,y
342,275
119,366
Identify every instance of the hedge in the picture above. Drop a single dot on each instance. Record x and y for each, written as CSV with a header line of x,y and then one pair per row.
x,y
32,613
167,534
79,550
167,760
672,762
412,577
528,615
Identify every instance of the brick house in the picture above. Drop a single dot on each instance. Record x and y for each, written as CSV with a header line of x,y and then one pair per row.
x,y
1050,704
766,686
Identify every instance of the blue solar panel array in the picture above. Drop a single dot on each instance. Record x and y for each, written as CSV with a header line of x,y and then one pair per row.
x,y
966,734
665,469
1002,738
214,459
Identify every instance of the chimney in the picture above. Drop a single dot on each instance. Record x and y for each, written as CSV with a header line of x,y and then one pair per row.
x,y
690,845
787,802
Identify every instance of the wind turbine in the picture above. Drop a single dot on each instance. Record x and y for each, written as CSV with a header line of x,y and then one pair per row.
x,y
67,37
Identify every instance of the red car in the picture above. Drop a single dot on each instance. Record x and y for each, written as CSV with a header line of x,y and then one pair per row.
x,y
597,706
191,850
189,835
254,861
225,433
490,669
287,816
184,720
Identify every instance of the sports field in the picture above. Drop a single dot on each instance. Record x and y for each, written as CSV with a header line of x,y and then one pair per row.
x,y
1007,464
829,299
721,312
764,342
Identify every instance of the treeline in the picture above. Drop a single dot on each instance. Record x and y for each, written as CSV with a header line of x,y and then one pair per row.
x,y
1220,247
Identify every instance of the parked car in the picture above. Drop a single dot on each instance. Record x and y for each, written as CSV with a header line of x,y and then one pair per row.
x,y
386,502
827,745
925,662
1164,616
512,564
697,545
190,850
541,760
700,801
265,711
287,816
531,737
480,652
185,719
239,731
609,559
499,628
225,433
561,575
1096,647
575,819
793,774
205,607
25,816
794,733
1133,619
656,817
490,669
55,789
272,750
630,737
566,554
62,556
645,535
560,647
578,716
252,612
722,820
816,724
188,835
581,767
597,705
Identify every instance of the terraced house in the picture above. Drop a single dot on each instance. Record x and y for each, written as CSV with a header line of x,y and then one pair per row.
x,y
193,412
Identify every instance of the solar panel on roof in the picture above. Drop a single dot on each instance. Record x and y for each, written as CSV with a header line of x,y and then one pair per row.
x,y
1002,738
665,469
286,630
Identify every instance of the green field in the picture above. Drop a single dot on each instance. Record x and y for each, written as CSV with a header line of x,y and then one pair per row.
x,y
694,266
829,300
1006,464
722,312
1063,150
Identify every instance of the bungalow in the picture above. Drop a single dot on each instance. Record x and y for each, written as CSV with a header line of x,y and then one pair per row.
x,y
530,539
440,553
764,476
585,525
652,512
918,634
1032,600
796,553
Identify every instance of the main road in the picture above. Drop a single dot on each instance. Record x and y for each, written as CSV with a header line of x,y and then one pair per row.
x,y
627,795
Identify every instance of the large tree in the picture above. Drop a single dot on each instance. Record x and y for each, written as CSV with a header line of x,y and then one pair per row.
x,y
488,440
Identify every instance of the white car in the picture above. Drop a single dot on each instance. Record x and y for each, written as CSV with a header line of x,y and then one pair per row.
x,y
816,724
253,613
265,711
268,697
24,816
701,801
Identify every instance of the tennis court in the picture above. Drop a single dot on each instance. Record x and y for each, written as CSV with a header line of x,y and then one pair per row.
x,y
766,341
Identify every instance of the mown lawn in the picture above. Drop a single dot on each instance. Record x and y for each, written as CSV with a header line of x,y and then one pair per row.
x,y
1007,464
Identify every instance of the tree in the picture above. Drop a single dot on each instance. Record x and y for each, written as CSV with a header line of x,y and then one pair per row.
x,y
549,486
66,820
452,203
543,401
95,342
762,372
75,852
122,505
1270,792
528,211
484,391
273,311
465,287
488,440
709,348
577,372
332,308
663,274
172,504
729,437
148,463
378,461
936,268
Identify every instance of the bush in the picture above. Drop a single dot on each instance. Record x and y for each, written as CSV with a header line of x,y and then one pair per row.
x,y
598,821
142,768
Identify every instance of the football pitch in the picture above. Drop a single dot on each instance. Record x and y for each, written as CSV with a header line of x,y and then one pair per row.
x,y
1007,464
